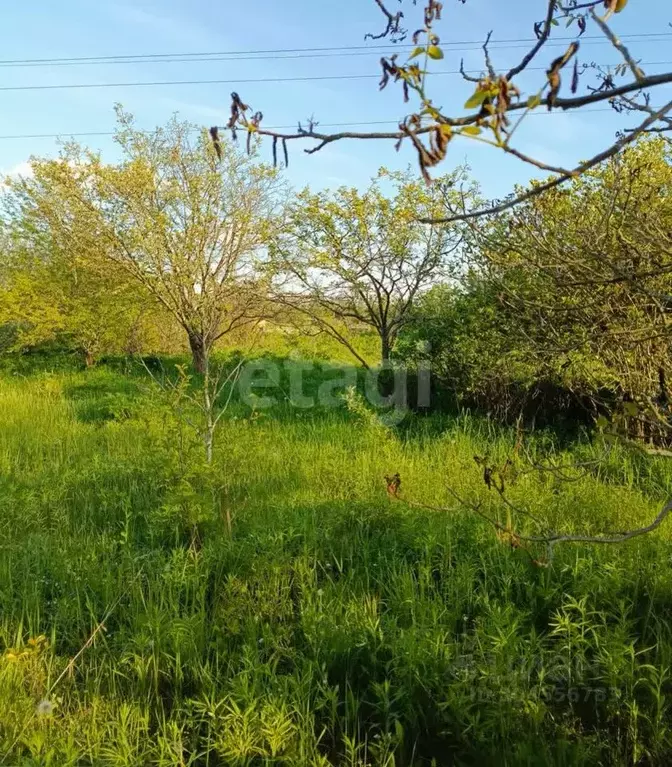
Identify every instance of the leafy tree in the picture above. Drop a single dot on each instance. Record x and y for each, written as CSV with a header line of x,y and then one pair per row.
x,y
593,266
363,258
573,287
182,219
53,290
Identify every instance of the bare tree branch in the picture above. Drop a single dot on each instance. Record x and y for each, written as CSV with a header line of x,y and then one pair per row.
x,y
393,24
632,64
494,100
580,169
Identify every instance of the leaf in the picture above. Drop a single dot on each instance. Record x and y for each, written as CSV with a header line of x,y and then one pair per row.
x,y
417,52
602,422
620,5
471,130
630,408
534,101
434,52
431,111
478,97
447,130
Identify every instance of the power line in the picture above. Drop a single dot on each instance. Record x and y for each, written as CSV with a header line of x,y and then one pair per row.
x,y
285,57
243,81
352,124
338,50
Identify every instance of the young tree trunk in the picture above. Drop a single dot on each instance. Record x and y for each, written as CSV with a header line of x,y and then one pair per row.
x,y
199,351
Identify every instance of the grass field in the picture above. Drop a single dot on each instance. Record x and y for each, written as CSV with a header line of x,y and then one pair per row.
x,y
279,609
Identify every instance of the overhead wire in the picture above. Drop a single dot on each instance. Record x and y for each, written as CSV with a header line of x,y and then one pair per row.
x,y
181,57
242,80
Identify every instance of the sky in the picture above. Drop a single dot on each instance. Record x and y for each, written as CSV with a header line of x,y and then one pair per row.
x,y
78,28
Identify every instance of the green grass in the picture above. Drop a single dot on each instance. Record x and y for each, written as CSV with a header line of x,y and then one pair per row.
x,y
333,626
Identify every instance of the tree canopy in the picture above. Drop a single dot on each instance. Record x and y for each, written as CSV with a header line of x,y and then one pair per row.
x,y
363,258
183,221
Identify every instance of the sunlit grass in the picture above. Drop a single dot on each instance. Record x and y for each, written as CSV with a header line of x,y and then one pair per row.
x,y
334,626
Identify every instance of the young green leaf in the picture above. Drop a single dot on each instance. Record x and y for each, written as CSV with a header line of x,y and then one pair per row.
x,y
478,97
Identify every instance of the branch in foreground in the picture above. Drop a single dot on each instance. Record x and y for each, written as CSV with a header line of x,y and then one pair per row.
x,y
515,540
494,100
614,149
393,25
565,104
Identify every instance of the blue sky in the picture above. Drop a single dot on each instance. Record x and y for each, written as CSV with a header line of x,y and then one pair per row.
x,y
77,28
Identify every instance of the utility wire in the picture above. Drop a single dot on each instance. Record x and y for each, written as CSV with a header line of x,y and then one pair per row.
x,y
205,58
351,124
336,50
245,81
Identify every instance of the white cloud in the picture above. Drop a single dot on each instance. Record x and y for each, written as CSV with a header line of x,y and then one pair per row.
x,y
20,170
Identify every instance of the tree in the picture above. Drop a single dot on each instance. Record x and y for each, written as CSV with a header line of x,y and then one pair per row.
x,y
363,258
568,294
52,289
587,272
180,217
496,102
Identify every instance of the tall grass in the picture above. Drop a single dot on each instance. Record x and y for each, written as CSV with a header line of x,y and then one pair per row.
x,y
330,625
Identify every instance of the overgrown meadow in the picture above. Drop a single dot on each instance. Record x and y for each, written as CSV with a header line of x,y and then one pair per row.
x,y
278,608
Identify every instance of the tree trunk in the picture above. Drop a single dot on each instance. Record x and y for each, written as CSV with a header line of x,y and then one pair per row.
x,y
385,348
199,351
386,376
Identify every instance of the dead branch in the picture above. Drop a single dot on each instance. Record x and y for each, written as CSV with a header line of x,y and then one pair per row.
x,y
393,25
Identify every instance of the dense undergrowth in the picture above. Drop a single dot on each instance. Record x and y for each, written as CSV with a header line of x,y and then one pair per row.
x,y
312,620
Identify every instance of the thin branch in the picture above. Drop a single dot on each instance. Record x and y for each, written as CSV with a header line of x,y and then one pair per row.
x,y
553,538
464,74
392,27
488,60
579,170
537,163
457,122
632,64
545,33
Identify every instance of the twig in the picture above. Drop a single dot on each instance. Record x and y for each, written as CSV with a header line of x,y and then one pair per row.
x,y
632,64
580,169
545,33
392,27
488,60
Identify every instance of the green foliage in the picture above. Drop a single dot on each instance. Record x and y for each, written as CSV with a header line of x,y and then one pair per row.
x,y
566,298
353,261
333,625
172,227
